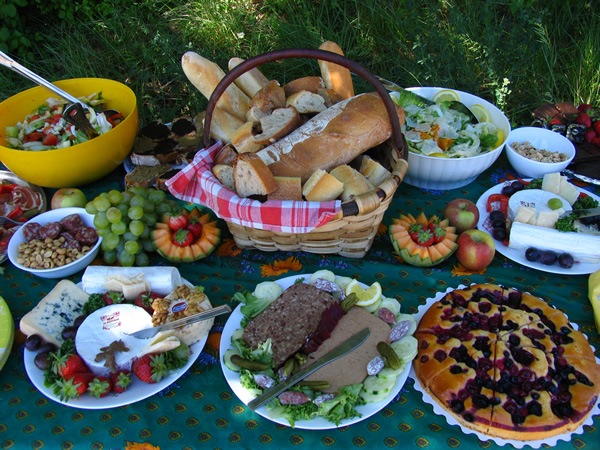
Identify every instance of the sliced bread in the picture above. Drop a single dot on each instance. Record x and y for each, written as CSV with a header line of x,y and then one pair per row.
x,y
373,171
306,102
224,174
223,125
354,182
269,98
278,124
308,83
251,176
322,187
243,139
288,188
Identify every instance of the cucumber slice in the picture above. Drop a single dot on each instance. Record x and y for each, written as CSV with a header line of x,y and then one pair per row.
x,y
374,307
227,360
342,282
411,319
327,275
376,389
237,334
267,290
390,303
406,348
390,374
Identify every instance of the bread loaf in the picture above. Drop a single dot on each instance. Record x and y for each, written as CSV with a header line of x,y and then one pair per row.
x,y
288,188
322,187
354,182
205,75
336,77
331,138
251,176
249,82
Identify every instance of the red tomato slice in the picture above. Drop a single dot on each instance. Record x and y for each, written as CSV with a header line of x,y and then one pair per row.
x,y
50,139
34,136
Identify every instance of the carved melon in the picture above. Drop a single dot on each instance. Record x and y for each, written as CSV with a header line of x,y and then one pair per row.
x,y
202,246
422,241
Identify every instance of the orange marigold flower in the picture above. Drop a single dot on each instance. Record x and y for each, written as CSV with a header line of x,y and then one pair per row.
x,y
228,248
280,267
459,270
382,229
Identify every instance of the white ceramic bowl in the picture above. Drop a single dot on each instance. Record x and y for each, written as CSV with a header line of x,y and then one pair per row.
x,y
55,215
540,138
430,172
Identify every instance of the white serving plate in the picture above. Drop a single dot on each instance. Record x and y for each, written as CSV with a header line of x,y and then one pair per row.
x,y
319,423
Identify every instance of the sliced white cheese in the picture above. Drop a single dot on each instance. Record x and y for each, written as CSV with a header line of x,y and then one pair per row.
x,y
583,247
547,219
525,214
551,182
568,191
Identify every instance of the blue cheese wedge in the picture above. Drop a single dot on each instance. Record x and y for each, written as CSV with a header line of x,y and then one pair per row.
x,y
54,312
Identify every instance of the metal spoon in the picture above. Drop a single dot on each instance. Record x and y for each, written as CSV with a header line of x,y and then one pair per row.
x,y
75,113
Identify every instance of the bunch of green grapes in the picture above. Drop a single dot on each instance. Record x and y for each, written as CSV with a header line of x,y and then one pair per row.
x,y
125,220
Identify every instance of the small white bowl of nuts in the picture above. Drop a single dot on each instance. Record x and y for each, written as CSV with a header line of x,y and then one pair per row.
x,y
533,152
55,244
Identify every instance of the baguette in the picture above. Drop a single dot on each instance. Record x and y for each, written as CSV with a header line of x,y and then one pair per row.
x,y
331,138
288,188
205,75
309,83
354,182
243,139
224,173
249,82
373,171
278,124
223,125
322,187
251,176
336,77
306,102
265,101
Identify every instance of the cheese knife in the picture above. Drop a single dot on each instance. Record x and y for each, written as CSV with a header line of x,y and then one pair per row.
x,y
147,333
345,347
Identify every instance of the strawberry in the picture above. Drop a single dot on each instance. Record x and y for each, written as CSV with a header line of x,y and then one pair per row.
x,y
195,228
150,368
100,386
438,234
66,366
596,127
178,221
145,299
413,231
121,381
556,121
425,238
584,119
596,141
112,297
583,107
589,135
74,387
183,238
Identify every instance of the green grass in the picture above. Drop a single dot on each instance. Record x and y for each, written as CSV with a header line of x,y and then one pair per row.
x,y
515,53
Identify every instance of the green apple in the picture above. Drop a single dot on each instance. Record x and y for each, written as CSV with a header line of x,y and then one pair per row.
x,y
68,197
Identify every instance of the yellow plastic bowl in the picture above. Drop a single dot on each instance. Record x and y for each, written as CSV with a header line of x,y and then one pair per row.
x,y
79,164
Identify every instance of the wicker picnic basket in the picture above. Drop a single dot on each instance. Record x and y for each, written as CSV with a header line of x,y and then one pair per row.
x,y
352,231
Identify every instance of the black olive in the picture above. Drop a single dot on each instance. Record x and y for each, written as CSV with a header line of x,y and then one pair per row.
x,y
42,360
508,190
33,342
47,347
497,215
565,260
499,234
79,320
69,333
532,254
517,185
499,223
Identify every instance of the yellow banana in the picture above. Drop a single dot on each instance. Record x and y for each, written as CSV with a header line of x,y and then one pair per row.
x,y
594,296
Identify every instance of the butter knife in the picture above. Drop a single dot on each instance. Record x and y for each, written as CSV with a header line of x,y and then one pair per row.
x,y
147,333
345,347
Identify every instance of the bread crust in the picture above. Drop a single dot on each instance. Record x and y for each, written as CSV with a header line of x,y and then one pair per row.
x,y
336,77
332,138
249,82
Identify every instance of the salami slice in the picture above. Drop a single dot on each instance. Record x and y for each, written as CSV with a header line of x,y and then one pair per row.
x,y
86,235
31,231
70,241
72,222
293,398
50,230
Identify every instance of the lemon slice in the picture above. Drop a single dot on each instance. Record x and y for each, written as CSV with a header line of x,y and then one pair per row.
x,y
366,297
480,112
438,155
500,135
446,95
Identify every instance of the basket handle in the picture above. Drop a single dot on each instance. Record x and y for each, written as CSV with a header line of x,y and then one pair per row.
x,y
352,207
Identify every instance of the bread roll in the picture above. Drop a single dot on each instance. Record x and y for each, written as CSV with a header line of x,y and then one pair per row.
x,y
288,188
331,138
354,182
251,176
322,187
336,77
205,75
249,82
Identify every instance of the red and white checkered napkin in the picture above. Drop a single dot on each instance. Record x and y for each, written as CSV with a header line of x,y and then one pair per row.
x,y
196,183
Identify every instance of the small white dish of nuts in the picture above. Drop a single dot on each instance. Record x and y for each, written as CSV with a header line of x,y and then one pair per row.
x,y
55,244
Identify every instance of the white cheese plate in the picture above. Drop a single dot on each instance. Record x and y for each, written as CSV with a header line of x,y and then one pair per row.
x,y
579,268
318,423
137,391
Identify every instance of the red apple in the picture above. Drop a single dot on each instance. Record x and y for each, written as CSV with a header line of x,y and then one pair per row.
x,y
476,249
68,197
462,214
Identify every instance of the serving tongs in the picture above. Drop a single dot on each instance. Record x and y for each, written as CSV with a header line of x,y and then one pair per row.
x,y
74,113
405,97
